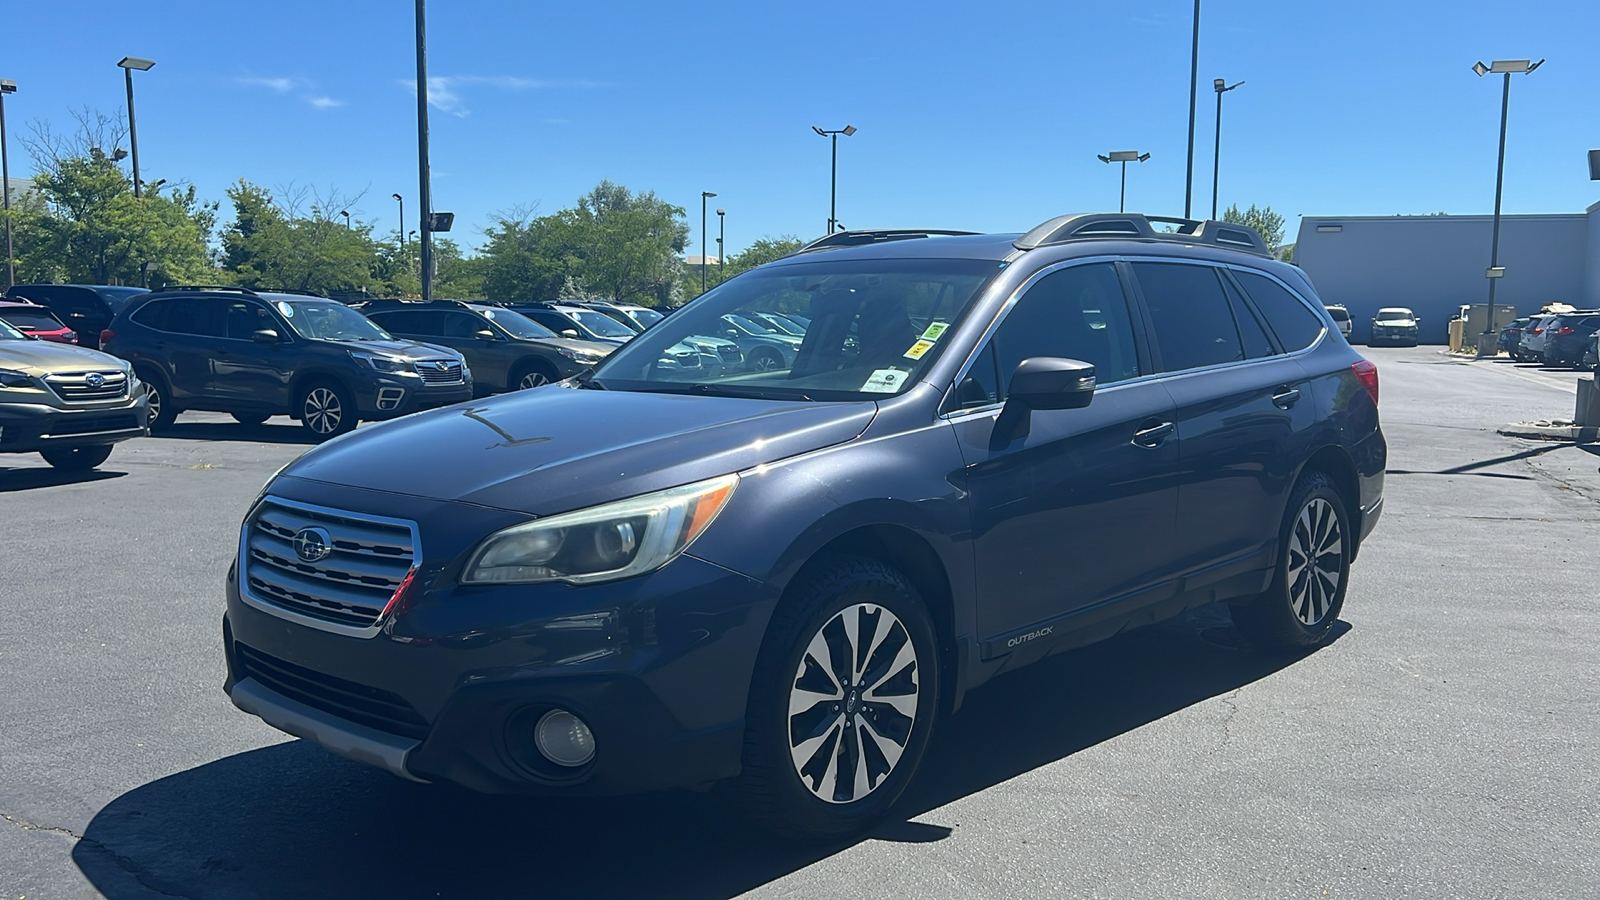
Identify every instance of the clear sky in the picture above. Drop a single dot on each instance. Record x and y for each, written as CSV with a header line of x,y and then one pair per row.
x,y
971,115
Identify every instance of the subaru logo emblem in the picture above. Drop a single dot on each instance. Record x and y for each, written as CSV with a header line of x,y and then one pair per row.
x,y
95,380
442,366
313,544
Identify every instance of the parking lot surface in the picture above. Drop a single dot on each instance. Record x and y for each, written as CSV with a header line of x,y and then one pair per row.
x,y
1444,745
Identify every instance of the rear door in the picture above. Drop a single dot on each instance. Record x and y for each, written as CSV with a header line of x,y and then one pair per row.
x,y
1244,410
190,330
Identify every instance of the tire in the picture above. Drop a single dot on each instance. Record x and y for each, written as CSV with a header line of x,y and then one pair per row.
x,y
76,459
795,788
1298,610
162,410
326,410
764,359
250,418
532,375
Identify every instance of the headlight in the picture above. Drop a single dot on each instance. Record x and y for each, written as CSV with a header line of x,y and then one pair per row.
x,y
382,363
11,379
133,382
580,356
603,543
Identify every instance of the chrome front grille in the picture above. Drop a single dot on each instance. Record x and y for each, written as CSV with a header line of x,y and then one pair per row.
x,y
688,360
730,354
439,371
345,589
89,387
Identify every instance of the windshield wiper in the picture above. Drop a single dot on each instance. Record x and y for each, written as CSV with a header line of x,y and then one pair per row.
x,y
725,390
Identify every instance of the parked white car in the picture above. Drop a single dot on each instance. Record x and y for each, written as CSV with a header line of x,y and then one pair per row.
x,y
1341,317
1534,338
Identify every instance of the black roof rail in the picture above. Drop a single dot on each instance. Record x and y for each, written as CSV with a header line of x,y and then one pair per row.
x,y
1137,227
227,288
860,238
297,291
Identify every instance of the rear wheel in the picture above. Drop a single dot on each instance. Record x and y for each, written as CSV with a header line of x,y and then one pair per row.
x,y
842,701
1298,610
76,459
326,410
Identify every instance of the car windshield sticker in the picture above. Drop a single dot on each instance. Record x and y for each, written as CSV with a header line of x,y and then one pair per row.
x,y
884,381
286,309
935,331
919,348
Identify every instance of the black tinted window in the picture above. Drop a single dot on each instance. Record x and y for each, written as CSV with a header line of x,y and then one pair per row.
x,y
1076,313
1294,323
189,315
245,319
152,315
462,325
1251,330
1193,322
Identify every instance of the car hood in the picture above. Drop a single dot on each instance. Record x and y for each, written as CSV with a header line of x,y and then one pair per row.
x,y
404,349
558,448
709,341
580,346
41,357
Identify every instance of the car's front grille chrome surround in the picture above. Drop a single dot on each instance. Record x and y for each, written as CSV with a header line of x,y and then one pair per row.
x,y
89,387
330,569
440,371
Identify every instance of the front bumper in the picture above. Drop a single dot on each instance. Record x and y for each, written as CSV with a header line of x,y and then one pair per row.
x,y
27,427
1393,336
390,397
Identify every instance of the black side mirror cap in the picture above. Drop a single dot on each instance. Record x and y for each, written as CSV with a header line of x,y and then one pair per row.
x,y
265,336
1043,382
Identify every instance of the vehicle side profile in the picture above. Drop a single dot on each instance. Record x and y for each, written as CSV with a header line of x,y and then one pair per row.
x,y
85,308
256,355
986,449
36,321
505,350
68,404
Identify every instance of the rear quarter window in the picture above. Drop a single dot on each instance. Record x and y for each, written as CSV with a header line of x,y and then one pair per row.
x,y
1291,319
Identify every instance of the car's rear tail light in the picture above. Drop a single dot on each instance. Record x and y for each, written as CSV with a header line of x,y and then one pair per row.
x,y
106,336
1536,331
72,337
1367,374
1565,329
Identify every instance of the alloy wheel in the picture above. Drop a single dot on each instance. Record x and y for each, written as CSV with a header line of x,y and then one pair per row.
x,y
153,398
323,411
853,703
766,362
1316,561
532,380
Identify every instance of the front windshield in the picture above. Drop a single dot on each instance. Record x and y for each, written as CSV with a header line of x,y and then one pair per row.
x,y
646,317
601,324
1389,315
873,327
517,324
7,333
324,321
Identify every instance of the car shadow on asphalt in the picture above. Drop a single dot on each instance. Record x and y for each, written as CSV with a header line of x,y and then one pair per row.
x,y
266,433
292,820
33,477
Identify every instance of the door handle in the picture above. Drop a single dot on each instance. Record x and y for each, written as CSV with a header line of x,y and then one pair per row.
x,y
1153,434
1285,397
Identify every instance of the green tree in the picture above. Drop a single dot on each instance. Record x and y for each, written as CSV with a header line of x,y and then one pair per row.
x,y
1263,220
271,245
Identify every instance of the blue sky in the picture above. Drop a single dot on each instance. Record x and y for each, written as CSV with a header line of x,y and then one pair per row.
x,y
974,116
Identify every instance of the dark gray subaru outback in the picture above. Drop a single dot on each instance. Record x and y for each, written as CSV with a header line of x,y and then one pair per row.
x,y
986,449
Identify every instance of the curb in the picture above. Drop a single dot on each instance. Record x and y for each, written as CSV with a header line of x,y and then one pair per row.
x,y
1552,431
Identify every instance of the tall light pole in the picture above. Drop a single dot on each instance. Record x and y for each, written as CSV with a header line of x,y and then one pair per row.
x,y
346,214
424,193
1506,67
402,201
722,253
7,86
128,64
833,190
704,195
1124,157
1222,87
1194,93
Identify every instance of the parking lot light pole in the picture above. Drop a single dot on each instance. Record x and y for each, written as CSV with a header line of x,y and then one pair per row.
x,y
704,195
1124,157
722,233
401,200
424,193
833,189
346,214
1506,67
1194,93
128,64
1222,87
7,86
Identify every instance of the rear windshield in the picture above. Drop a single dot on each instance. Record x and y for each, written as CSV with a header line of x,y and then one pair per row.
x,y
1339,314
31,319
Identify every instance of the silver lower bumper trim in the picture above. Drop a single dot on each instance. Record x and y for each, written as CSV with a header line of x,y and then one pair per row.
x,y
348,739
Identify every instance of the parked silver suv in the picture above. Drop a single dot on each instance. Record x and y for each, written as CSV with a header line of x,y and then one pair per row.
x,y
69,404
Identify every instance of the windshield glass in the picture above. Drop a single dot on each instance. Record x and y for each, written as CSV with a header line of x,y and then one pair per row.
x,y
646,317
1339,315
874,327
601,324
518,324
326,321
1386,315
7,333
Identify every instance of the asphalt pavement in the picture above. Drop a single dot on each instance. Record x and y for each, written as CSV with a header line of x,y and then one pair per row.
x,y
1444,745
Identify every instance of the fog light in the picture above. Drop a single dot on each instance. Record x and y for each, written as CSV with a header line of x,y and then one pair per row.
x,y
564,739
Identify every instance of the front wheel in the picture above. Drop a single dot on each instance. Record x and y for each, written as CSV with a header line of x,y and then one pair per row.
x,y
327,410
532,377
162,410
763,359
842,702
76,459
1298,610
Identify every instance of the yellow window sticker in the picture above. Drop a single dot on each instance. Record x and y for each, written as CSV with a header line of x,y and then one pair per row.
x,y
919,348
935,331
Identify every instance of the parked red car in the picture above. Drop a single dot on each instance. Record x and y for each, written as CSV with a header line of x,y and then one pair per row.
x,y
36,321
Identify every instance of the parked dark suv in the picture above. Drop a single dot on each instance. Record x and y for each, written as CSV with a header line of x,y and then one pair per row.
x,y
987,449
257,355
85,308
505,350
1569,338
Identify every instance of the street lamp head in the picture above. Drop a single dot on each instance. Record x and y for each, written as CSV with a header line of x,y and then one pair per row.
x,y
819,131
134,62
1127,156
707,194
7,86
1102,157
1509,66
722,212
1144,157
1220,84
1480,68
396,196
118,155
848,130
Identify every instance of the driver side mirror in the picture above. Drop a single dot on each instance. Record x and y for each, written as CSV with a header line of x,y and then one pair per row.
x,y
484,334
265,336
1043,382
569,333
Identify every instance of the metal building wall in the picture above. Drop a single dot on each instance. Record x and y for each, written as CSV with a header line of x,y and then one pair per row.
x,y
1434,264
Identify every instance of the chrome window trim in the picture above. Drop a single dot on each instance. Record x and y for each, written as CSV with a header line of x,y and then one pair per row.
x,y
273,609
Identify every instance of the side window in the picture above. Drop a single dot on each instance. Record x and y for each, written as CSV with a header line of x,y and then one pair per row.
x,y
1295,325
1254,335
153,315
1079,312
461,325
396,322
981,386
1193,324
78,300
195,315
245,319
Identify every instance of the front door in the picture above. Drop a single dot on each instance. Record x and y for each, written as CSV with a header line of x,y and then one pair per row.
x,y
248,372
1077,514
